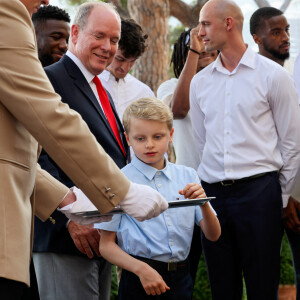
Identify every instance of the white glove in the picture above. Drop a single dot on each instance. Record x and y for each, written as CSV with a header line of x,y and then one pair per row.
x,y
82,204
142,202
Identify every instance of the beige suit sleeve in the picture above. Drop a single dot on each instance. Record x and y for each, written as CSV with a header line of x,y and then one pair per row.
x,y
49,192
28,95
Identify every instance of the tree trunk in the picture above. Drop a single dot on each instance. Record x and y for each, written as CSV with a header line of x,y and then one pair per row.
x,y
153,67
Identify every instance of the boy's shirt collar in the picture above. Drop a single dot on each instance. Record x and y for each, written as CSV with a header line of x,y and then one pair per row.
x,y
149,171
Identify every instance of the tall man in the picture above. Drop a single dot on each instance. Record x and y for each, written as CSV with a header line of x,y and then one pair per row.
x,y
30,112
52,31
270,30
73,78
123,87
245,122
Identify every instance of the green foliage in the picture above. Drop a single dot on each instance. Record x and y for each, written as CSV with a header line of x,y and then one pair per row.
x,y
175,32
124,3
202,287
114,283
286,264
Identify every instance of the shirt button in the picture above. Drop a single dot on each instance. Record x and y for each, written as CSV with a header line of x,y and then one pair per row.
x,y
169,224
158,173
228,171
227,132
171,243
227,114
227,152
159,185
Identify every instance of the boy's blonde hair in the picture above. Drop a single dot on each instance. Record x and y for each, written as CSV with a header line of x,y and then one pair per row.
x,y
148,108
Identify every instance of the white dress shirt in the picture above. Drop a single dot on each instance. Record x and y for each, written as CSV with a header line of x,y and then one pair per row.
x,y
124,91
246,121
87,75
186,151
296,75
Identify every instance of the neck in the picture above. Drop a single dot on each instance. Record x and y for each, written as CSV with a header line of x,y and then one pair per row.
x,y
270,56
232,54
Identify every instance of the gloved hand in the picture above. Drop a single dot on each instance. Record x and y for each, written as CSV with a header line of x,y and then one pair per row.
x,y
82,204
142,202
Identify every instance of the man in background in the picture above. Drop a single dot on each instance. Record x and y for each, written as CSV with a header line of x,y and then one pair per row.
x,y
270,31
52,30
123,87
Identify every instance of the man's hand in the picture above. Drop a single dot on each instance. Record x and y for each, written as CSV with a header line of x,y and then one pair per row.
x,y
85,237
196,42
69,199
290,215
143,203
81,204
193,191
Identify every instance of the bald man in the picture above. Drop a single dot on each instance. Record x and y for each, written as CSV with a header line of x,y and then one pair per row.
x,y
245,123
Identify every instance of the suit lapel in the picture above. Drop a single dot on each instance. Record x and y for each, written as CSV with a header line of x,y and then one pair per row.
x,y
80,81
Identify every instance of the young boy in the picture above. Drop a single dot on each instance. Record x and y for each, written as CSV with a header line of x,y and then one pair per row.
x,y
153,254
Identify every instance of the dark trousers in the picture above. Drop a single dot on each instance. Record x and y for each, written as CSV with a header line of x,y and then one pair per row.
x,y
180,283
13,290
195,252
33,293
250,217
294,241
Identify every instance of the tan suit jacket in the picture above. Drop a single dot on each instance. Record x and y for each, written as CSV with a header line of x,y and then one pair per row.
x,y
30,112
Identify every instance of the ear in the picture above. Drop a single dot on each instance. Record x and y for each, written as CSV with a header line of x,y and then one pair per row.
x,y
171,135
257,39
74,34
229,23
127,138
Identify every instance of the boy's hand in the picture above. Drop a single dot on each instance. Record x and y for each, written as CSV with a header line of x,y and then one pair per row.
x,y
193,191
152,282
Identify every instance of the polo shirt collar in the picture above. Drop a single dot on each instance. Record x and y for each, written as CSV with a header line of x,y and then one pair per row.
x,y
149,171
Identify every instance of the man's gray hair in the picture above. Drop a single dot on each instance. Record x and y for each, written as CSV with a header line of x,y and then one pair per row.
x,y
86,8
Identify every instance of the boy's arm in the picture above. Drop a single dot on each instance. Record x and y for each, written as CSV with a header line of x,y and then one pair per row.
x,y
209,224
151,280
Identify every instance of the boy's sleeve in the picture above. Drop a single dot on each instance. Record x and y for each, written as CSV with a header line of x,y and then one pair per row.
x,y
112,225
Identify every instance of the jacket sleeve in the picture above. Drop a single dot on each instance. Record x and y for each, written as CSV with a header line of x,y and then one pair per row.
x,y
28,95
48,193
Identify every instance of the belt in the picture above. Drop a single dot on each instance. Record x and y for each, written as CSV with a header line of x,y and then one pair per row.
x,y
164,266
245,179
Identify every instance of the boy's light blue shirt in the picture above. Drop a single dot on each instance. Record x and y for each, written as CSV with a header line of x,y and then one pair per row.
x,y
167,237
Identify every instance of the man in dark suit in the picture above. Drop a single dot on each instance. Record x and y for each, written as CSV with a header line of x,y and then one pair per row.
x,y
62,247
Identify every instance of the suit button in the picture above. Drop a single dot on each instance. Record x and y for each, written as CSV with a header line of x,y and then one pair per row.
x,y
52,220
107,189
111,196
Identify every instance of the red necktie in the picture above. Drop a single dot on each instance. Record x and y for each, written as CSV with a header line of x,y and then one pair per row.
x,y
108,111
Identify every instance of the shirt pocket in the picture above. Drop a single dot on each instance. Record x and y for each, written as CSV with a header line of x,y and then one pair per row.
x,y
186,217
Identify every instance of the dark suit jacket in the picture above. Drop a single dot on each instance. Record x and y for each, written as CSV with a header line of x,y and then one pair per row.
x,y
69,82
